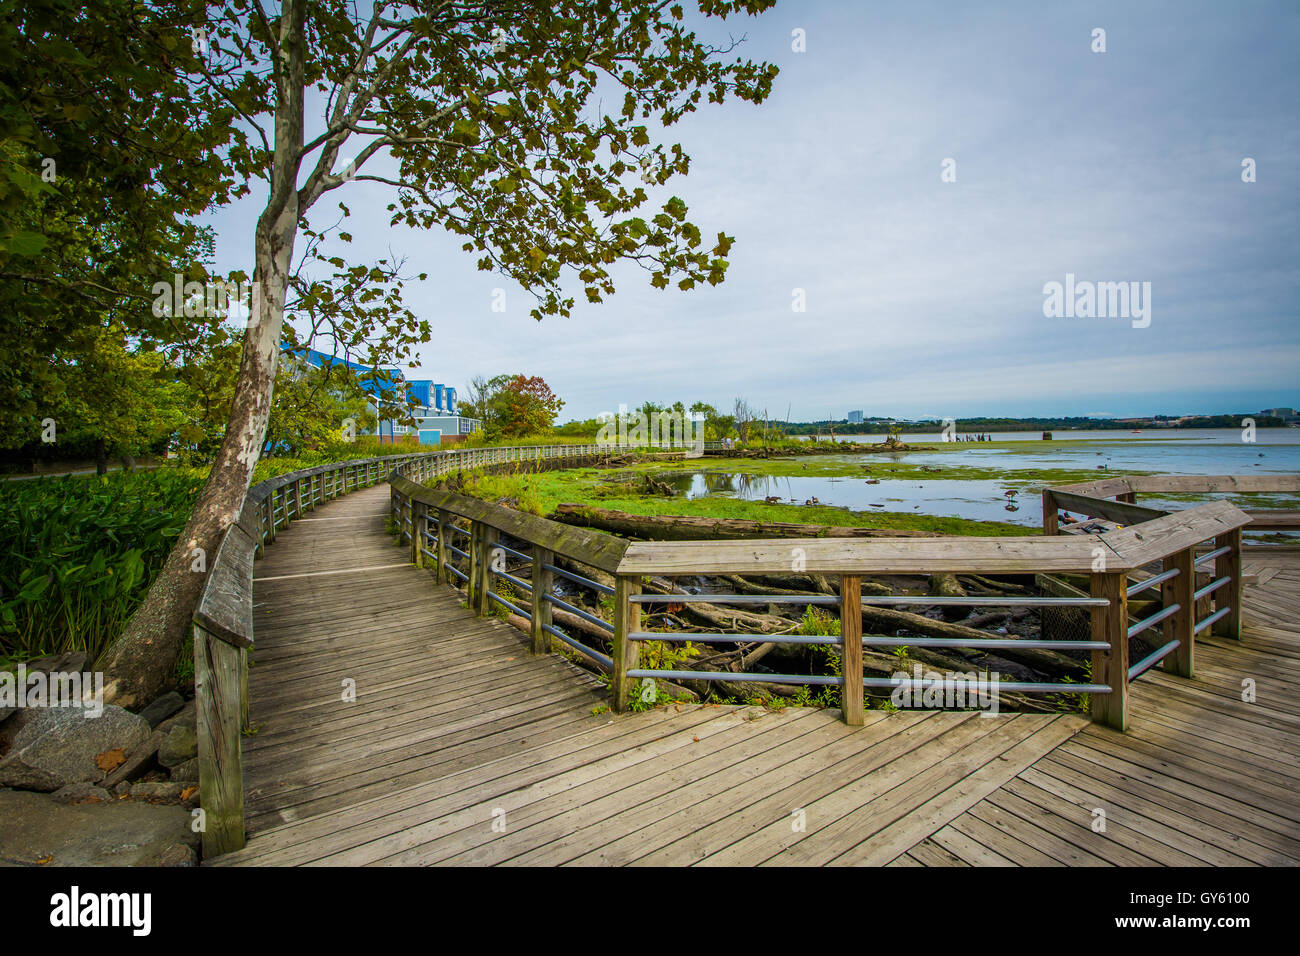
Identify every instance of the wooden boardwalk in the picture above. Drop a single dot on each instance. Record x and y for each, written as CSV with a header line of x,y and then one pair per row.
x,y
462,748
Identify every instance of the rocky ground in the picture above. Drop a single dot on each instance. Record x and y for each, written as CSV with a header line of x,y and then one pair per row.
x,y
117,789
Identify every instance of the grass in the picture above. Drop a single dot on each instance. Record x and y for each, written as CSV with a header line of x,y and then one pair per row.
x,y
539,493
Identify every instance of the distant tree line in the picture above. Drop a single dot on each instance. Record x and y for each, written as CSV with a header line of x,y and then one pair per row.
x,y
1027,424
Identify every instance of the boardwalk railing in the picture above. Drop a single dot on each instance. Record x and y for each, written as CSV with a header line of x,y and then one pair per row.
x,y
434,522
223,629
444,529
223,618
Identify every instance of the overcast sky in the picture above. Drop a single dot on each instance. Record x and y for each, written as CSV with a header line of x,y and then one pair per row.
x,y
925,298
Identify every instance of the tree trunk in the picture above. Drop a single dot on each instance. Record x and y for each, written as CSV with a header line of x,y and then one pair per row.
x,y
140,663
101,457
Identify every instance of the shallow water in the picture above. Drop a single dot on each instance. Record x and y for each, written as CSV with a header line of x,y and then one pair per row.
x,y
1204,452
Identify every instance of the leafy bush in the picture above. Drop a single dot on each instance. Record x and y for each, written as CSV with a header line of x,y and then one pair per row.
x,y
81,552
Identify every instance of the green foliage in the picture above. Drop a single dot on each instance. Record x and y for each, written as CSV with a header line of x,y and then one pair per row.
x,y
818,623
517,490
107,153
648,694
311,406
80,554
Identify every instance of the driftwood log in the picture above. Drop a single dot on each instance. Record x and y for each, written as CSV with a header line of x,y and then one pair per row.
x,y
945,585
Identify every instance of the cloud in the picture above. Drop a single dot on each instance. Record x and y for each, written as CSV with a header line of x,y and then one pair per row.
x,y
923,294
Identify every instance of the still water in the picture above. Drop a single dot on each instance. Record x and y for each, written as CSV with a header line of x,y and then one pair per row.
x,y
1012,499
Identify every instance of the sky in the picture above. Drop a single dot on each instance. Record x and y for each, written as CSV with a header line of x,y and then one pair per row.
x,y
925,298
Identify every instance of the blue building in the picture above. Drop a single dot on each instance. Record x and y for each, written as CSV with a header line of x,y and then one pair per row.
x,y
436,414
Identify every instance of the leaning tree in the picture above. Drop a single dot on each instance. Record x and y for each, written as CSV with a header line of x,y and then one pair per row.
x,y
526,127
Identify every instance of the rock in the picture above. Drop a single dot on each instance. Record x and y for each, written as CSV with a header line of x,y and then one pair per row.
x,y
34,829
136,761
178,854
71,662
178,746
162,792
186,717
84,792
187,772
162,708
59,745
123,789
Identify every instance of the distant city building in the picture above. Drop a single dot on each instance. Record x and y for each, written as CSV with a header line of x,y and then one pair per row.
x,y
855,417
1286,414
435,412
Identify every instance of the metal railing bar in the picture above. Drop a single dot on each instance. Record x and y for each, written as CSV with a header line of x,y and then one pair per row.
x,y
455,550
734,599
504,603
1152,659
511,551
1151,582
1212,586
989,642
705,638
603,659
728,675
1211,555
596,585
518,582
926,600
1202,625
1154,619
589,618
456,571
1019,687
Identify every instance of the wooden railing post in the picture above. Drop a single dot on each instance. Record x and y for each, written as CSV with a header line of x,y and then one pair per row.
x,y
627,620
487,544
419,524
219,710
475,559
1180,590
443,577
541,610
1051,520
851,657
270,517
1110,624
244,723
1230,595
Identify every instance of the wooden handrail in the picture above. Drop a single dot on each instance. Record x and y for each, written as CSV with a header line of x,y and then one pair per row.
x,y
1152,535
223,631
223,626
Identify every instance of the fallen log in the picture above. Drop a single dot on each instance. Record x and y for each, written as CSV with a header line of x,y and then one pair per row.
x,y
1051,662
945,585
694,527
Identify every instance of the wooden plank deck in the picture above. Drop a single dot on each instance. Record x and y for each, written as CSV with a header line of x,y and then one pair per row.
x,y
462,748
1202,778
